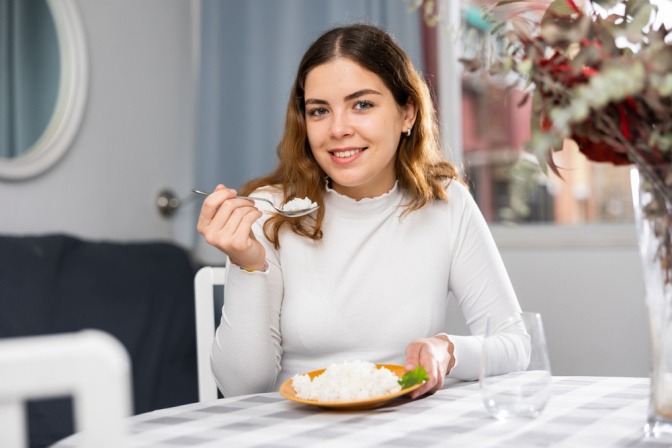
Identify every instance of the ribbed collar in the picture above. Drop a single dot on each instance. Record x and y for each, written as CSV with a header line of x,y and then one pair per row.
x,y
364,207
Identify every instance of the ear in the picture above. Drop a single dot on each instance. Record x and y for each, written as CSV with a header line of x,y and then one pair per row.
x,y
410,112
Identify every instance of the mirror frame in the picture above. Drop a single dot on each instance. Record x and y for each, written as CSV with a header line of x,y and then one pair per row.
x,y
70,102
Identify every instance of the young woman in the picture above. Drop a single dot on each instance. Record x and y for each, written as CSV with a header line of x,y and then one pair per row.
x,y
368,275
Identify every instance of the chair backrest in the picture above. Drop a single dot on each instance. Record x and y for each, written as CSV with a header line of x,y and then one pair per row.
x,y
204,282
90,365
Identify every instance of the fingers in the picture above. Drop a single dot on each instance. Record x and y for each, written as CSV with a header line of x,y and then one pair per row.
x,y
430,354
430,364
218,208
234,215
226,223
211,205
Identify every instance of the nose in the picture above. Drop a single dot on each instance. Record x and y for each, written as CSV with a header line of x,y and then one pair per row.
x,y
341,125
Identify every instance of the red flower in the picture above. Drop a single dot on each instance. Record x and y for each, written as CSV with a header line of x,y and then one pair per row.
x,y
601,152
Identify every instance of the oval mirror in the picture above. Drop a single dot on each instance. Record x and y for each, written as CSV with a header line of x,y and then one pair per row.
x,y
70,98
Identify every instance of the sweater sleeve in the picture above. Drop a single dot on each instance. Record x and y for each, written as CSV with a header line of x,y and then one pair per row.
x,y
246,352
482,287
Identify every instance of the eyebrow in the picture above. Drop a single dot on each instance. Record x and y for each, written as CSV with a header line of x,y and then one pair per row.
x,y
349,97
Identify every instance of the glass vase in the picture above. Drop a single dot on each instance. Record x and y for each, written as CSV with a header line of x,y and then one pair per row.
x,y
653,218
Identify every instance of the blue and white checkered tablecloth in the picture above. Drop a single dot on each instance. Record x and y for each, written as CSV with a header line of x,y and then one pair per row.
x,y
583,412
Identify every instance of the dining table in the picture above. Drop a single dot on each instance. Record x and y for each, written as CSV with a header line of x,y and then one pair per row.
x,y
583,411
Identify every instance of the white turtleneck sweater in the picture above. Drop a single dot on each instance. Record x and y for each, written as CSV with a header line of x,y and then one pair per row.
x,y
375,282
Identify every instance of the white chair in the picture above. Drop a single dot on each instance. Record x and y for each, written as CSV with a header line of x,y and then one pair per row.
x,y
90,365
204,282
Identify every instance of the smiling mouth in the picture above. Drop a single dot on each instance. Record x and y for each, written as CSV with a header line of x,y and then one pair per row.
x,y
347,153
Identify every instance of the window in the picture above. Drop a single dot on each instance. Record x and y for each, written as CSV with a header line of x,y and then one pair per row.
x,y
494,129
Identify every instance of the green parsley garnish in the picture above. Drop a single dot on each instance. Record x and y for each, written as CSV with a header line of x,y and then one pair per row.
x,y
413,377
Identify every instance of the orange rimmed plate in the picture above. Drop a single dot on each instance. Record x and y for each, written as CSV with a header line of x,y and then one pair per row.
x,y
287,391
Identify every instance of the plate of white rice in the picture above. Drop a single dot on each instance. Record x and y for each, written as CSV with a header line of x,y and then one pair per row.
x,y
351,385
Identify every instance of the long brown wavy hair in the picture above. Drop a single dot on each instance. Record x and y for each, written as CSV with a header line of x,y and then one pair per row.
x,y
421,167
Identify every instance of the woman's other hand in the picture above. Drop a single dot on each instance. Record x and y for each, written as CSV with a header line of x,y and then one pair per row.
x,y
226,223
435,355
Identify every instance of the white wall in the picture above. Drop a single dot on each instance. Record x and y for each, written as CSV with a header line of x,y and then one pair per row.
x,y
587,284
136,137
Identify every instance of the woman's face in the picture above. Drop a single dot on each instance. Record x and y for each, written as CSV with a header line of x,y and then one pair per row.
x,y
354,126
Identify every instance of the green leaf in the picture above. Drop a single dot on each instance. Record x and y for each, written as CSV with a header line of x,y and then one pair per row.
x,y
558,9
413,377
639,21
506,2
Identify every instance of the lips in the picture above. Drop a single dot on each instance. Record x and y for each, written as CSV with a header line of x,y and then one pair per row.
x,y
345,155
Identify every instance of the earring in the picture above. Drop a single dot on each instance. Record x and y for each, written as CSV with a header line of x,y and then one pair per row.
x,y
408,132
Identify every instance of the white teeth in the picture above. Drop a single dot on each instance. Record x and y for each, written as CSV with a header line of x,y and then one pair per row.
x,y
348,153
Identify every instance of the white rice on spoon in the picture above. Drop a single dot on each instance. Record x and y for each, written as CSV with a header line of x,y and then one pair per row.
x,y
297,204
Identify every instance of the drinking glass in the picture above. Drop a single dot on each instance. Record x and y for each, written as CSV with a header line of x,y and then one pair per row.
x,y
515,385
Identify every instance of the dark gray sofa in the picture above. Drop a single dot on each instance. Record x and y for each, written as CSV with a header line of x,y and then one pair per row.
x,y
141,293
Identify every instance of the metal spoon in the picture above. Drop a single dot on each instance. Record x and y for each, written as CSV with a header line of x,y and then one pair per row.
x,y
289,213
